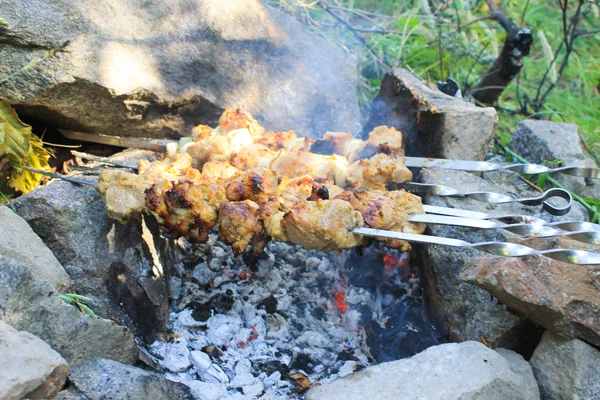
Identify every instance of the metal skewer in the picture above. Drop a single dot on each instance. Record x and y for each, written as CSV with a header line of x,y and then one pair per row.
x,y
496,198
496,248
483,166
104,160
528,230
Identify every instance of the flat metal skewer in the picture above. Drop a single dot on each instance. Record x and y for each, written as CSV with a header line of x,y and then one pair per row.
x,y
497,248
104,160
483,166
496,198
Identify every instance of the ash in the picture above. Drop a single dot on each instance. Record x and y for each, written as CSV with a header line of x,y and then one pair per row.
x,y
270,327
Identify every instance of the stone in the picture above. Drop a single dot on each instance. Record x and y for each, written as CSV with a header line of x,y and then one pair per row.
x,y
18,241
108,379
107,261
540,142
462,310
467,370
566,368
30,368
30,304
553,294
156,69
432,123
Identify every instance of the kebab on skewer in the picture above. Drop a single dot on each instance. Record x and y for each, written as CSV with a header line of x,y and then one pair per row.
x,y
252,204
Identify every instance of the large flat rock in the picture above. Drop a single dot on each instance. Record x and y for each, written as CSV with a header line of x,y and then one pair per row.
x,y
463,371
566,368
139,68
31,304
433,124
17,240
558,296
107,261
30,368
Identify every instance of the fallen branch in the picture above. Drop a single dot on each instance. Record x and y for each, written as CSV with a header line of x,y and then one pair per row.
x,y
508,64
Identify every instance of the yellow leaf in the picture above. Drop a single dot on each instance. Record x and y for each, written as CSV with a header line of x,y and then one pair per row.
x,y
22,148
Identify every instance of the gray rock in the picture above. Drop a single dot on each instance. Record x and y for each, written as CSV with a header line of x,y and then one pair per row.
x,y
33,305
107,379
433,124
463,371
107,261
566,369
30,368
159,68
462,310
546,141
18,241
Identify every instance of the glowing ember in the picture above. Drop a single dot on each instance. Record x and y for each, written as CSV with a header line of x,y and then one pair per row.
x,y
391,262
340,302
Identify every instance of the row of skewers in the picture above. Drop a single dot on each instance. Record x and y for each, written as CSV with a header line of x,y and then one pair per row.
x,y
325,194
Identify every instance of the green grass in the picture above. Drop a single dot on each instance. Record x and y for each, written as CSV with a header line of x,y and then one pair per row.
x,y
457,40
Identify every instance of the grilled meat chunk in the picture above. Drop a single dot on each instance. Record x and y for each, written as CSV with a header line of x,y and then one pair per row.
x,y
387,210
257,184
219,171
387,140
124,193
239,119
374,173
240,225
187,207
322,225
277,140
253,156
294,164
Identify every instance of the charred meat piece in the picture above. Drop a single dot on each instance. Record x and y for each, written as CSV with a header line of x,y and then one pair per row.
x,y
277,140
387,210
374,173
202,132
218,147
124,193
340,143
185,208
322,225
387,140
240,225
253,156
239,119
257,184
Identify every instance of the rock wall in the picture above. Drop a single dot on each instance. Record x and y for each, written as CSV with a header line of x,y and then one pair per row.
x,y
156,69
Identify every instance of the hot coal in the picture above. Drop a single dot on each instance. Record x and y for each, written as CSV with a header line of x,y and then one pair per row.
x,y
273,323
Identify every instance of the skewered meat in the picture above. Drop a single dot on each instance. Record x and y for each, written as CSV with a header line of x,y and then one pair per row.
x,y
257,184
202,132
374,173
187,207
387,210
277,140
387,140
322,225
218,147
219,170
240,225
294,164
291,191
255,155
124,193
239,119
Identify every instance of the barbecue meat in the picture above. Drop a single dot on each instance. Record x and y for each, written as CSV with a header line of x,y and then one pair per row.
x,y
294,164
387,210
257,184
340,143
219,171
387,140
255,155
239,119
202,132
322,225
374,173
291,191
240,225
124,193
277,140
187,207
218,147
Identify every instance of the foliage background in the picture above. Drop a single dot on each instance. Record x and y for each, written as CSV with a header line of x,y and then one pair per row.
x,y
441,39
